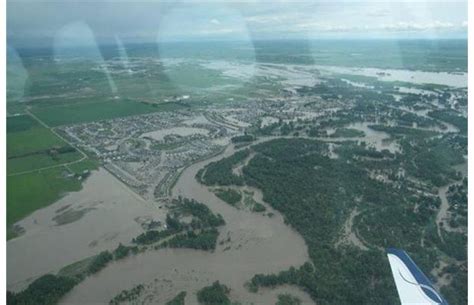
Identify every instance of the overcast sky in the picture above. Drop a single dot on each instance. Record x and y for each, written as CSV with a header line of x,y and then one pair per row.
x,y
79,22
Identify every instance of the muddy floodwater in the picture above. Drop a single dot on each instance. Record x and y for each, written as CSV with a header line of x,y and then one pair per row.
x,y
378,139
81,224
258,244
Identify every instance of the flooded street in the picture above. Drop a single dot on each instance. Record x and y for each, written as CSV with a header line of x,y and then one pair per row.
x,y
258,244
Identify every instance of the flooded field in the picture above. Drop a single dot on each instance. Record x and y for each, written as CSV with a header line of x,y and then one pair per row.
x,y
308,75
378,139
258,244
81,224
416,77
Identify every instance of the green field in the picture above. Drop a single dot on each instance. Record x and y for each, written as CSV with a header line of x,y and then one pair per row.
x,y
33,162
25,135
87,164
20,123
29,146
88,112
32,147
29,192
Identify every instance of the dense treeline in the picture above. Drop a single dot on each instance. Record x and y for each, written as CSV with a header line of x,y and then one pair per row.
x,y
46,290
316,195
199,233
408,119
287,299
123,251
267,130
220,172
216,294
100,261
456,292
202,215
127,296
152,236
347,133
431,160
454,244
457,198
258,207
230,196
427,156
292,276
49,288
243,138
349,150
450,117
202,240
178,299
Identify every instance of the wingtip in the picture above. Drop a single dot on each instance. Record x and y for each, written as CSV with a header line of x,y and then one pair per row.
x,y
394,251
421,279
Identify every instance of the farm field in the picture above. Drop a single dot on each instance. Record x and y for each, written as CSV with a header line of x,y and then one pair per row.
x,y
33,162
80,167
29,192
25,135
88,112
31,146
36,168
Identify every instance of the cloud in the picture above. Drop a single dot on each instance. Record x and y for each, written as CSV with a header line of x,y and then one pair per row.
x,y
35,21
363,18
309,26
414,26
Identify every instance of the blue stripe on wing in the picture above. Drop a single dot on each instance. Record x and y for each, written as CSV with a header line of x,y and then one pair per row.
x,y
424,283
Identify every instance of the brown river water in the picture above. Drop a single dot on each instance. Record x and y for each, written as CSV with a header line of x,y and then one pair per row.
x,y
259,244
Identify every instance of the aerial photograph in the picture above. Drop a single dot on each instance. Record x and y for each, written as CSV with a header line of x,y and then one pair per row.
x,y
236,152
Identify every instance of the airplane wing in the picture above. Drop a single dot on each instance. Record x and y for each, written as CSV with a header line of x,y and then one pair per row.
x,y
414,288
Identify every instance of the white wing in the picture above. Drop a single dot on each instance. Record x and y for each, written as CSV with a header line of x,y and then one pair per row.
x,y
414,288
